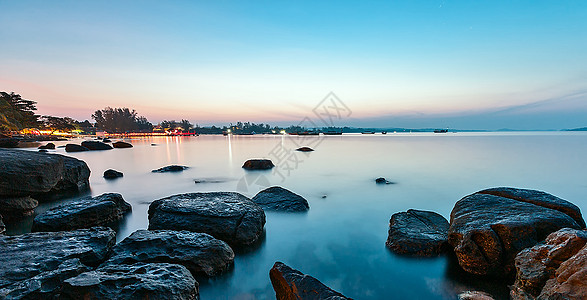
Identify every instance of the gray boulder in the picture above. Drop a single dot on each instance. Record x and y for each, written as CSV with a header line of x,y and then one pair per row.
x,y
75,148
95,145
121,145
15,208
228,216
84,213
418,233
291,284
280,199
258,164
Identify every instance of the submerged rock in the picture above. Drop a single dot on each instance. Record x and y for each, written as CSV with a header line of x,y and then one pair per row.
x,y
121,145
15,208
49,146
111,174
200,253
280,199
95,145
228,216
418,233
291,284
487,231
75,148
138,281
172,168
382,180
258,164
84,213
305,149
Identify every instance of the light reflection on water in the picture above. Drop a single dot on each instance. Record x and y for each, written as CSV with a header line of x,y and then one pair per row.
x,y
341,240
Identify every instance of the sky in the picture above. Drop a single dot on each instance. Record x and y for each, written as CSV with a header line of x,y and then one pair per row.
x,y
416,64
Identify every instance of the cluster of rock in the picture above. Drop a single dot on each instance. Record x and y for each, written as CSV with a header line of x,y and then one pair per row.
x,y
96,145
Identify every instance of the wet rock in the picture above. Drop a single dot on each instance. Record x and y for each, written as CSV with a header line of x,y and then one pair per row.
x,y
139,281
47,258
280,199
172,168
487,231
121,145
75,148
111,174
84,213
15,208
258,164
95,145
418,233
292,284
474,295
305,149
43,151
49,146
200,253
26,173
538,264
2,226
570,280
228,216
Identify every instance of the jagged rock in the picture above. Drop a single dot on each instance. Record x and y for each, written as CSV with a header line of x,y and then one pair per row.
x,y
418,233
305,149
538,264
111,174
570,280
487,231
47,258
200,253
139,281
291,284
49,146
95,145
26,173
15,208
121,145
172,168
228,216
280,199
75,148
258,164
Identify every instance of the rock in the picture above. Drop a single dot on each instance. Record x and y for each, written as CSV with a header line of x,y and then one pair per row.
x,y
50,146
9,142
47,258
487,231
305,149
43,151
26,173
570,280
280,199
380,180
121,145
84,213
15,208
75,148
258,164
228,216
172,168
2,226
105,140
291,284
95,145
200,253
474,295
111,174
418,233
138,281
538,264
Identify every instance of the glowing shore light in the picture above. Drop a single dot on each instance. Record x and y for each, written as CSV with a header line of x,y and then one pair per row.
x,y
228,130
282,132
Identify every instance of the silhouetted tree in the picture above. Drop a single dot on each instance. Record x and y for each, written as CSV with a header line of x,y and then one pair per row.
x,y
118,120
64,124
17,113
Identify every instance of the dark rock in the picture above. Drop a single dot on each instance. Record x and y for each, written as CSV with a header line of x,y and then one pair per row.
x,y
418,233
121,145
200,253
111,174
62,146
538,264
105,140
43,151
305,149
46,258
139,281
9,142
154,145
95,145
172,168
474,295
84,213
278,198
487,231
382,180
2,226
75,148
228,216
291,284
25,173
50,146
258,164
15,208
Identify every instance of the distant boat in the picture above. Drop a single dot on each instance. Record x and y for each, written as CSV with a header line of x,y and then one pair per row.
x,y
441,131
384,132
308,133
368,132
331,132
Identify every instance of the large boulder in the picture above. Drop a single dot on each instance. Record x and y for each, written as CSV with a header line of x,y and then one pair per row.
x,y
171,168
544,263
15,208
291,284
139,281
121,145
84,213
200,253
487,231
26,173
258,164
95,145
36,264
418,233
280,199
228,216
75,148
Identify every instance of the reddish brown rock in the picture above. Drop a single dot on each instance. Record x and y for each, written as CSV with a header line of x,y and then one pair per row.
x,y
291,284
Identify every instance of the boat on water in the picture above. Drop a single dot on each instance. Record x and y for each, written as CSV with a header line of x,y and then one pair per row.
x,y
441,131
368,132
384,132
332,133
308,133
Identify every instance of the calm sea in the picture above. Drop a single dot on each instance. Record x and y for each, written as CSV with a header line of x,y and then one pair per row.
x,y
341,240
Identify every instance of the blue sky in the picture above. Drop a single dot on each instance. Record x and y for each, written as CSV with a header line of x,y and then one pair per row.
x,y
466,64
